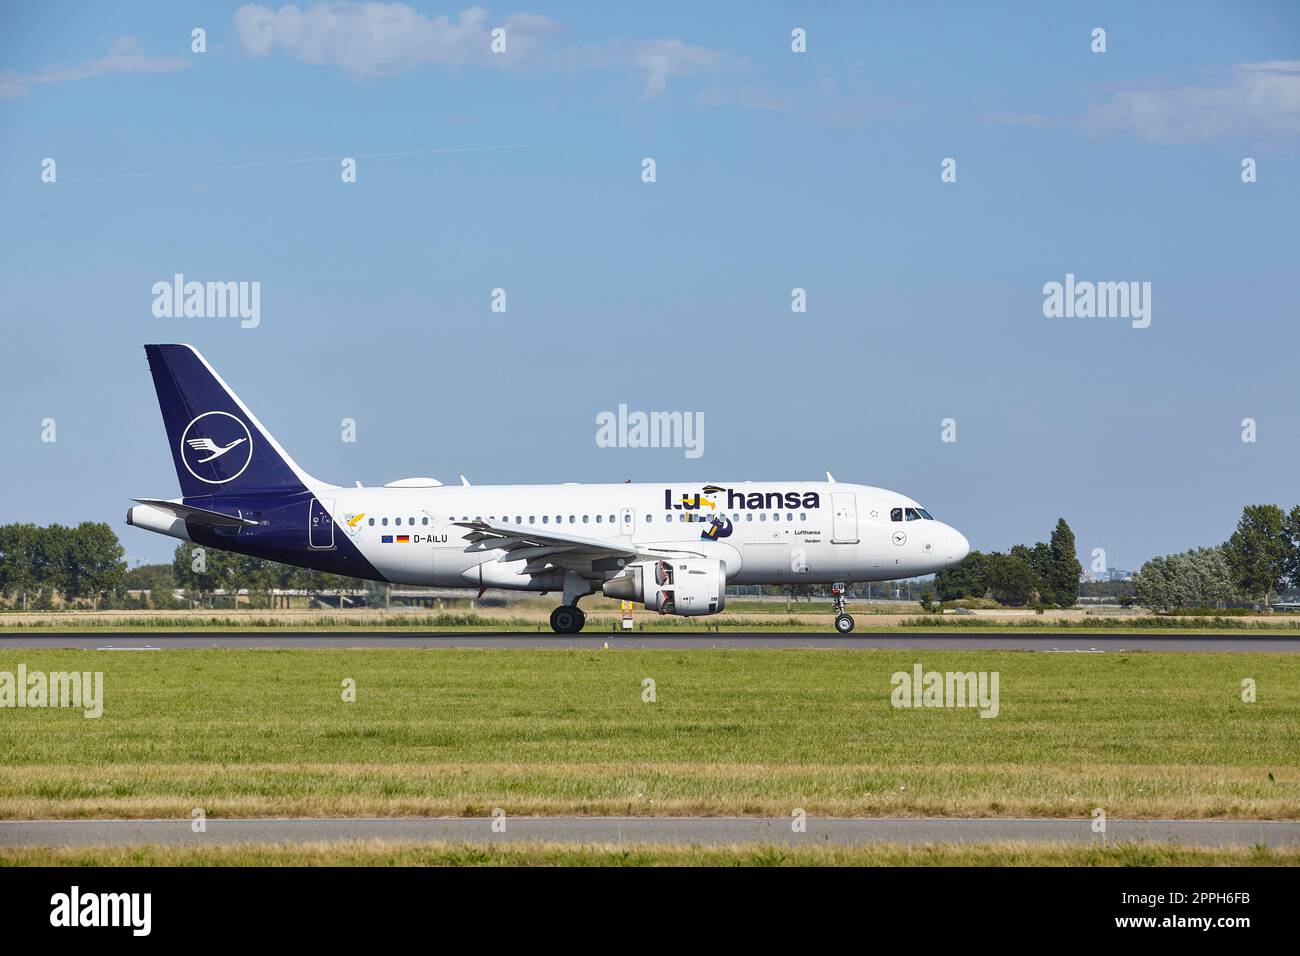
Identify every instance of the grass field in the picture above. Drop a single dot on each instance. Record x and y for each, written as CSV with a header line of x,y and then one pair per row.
x,y
603,617
442,732
380,853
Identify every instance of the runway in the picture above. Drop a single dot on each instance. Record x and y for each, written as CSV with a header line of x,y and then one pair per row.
x,y
1082,642
625,830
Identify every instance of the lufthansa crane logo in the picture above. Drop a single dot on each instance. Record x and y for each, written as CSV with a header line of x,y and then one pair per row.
x,y
216,447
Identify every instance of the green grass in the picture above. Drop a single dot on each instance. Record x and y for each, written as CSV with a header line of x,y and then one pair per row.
x,y
379,853
1145,623
459,732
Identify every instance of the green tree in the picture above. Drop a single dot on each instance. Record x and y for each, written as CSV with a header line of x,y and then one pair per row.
x,y
1257,551
1291,548
18,571
1061,575
49,563
1199,578
89,560
198,570
1010,580
967,578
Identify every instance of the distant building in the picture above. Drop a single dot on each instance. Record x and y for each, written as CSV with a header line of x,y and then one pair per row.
x,y
1110,574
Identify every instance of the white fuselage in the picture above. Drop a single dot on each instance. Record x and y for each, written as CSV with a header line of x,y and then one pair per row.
x,y
837,531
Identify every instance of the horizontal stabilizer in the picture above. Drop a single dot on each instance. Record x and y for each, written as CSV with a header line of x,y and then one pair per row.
x,y
214,519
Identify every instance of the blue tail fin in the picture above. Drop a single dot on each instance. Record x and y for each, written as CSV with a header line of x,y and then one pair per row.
x,y
219,446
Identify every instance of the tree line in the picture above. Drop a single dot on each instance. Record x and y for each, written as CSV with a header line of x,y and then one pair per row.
x,y
1259,560
202,571
39,563
41,567
1046,574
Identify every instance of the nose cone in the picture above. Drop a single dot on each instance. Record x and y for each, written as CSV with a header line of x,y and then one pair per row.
x,y
958,546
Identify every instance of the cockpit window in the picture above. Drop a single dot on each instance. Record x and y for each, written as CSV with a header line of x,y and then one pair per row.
x,y
913,514
925,514
896,514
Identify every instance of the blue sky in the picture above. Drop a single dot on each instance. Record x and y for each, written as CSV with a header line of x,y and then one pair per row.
x,y
775,170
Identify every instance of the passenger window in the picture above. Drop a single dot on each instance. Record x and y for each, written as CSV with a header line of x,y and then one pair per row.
x,y
586,519
627,518
424,521
598,517
763,516
611,519
372,522
669,516
803,516
648,519
749,516
896,514
546,519
385,522
532,519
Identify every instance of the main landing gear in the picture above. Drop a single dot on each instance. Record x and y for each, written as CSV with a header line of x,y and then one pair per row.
x,y
567,619
843,620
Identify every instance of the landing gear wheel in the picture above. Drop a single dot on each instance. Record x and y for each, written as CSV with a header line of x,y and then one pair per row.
x,y
844,623
567,619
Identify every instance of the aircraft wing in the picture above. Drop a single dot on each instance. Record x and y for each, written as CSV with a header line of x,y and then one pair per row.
x,y
198,515
539,547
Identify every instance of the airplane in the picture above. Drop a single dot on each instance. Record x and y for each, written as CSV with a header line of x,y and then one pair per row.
x,y
672,547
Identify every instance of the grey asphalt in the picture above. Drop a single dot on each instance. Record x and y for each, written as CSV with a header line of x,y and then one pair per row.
x,y
687,830
919,640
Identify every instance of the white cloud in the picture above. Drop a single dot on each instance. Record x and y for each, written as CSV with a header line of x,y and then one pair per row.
x,y
124,56
1260,99
657,60
370,39
366,39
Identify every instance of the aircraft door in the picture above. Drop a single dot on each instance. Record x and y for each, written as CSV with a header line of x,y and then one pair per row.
x,y
844,528
320,526
627,521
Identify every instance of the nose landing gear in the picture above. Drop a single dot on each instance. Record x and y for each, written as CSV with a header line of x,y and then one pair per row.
x,y
843,620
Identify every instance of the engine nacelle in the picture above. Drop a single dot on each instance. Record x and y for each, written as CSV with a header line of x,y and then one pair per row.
x,y
688,587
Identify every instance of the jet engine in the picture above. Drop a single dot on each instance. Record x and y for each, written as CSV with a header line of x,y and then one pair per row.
x,y
688,587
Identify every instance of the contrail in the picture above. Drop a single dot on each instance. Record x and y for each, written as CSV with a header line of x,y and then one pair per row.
x,y
264,165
